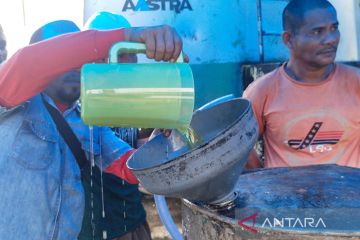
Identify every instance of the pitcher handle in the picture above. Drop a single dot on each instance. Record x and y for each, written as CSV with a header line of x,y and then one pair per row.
x,y
132,48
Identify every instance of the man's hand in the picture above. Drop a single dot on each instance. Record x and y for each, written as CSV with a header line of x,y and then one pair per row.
x,y
162,42
253,161
158,131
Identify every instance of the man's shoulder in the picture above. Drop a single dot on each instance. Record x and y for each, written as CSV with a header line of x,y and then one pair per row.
x,y
18,109
270,77
265,82
348,69
4,111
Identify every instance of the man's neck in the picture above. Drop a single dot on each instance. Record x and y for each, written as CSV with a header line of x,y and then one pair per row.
x,y
308,74
62,106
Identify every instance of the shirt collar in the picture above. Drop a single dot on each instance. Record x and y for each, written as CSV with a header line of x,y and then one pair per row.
x,y
74,106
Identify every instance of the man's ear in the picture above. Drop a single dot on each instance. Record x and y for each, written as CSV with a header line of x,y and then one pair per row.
x,y
287,38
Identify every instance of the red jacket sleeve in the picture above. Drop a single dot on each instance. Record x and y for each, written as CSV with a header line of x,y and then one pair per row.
x,y
120,169
32,68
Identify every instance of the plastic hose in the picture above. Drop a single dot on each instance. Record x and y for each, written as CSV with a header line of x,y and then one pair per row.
x,y
166,218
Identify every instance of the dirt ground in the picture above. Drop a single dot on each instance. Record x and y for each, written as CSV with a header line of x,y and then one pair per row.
x,y
158,231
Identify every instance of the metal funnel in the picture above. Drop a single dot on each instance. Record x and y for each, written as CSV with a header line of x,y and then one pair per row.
x,y
168,166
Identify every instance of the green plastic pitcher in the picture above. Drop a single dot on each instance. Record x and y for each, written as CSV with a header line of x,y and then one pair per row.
x,y
142,95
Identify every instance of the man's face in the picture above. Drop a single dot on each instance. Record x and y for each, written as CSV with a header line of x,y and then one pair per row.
x,y
315,43
65,88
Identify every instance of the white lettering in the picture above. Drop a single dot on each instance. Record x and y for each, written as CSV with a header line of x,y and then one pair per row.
x,y
309,222
289,221
320,221
293,223
311,149
320,148
298,221
267,221
279,223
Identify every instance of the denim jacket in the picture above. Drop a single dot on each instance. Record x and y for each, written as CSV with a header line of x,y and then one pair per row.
x,y
41,191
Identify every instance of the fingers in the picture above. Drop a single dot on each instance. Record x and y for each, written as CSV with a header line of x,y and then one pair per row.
x,y
163,43
157,131
186,58
160,46
169,46
177,47
166,132
150,43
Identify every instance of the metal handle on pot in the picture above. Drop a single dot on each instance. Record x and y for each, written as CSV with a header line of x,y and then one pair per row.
x,y
132,48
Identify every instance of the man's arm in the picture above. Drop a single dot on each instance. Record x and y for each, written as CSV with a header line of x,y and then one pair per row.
x,y
253,160
120,169
32,68
256,96
114,155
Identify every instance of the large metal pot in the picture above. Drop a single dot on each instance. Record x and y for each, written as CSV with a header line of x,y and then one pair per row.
x,y
168,166
302,203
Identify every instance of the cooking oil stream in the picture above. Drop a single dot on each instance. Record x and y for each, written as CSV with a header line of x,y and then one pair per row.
x,y
192,138
92,162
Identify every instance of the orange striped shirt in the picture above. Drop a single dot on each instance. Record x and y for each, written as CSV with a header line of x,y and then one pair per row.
x,y
307,123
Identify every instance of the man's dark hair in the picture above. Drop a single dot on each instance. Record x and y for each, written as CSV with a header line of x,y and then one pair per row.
x,y
294,12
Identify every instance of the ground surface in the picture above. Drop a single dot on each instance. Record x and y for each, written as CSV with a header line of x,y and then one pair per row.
x,y
158,231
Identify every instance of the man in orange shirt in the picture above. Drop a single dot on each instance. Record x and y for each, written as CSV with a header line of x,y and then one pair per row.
x,y
308,108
